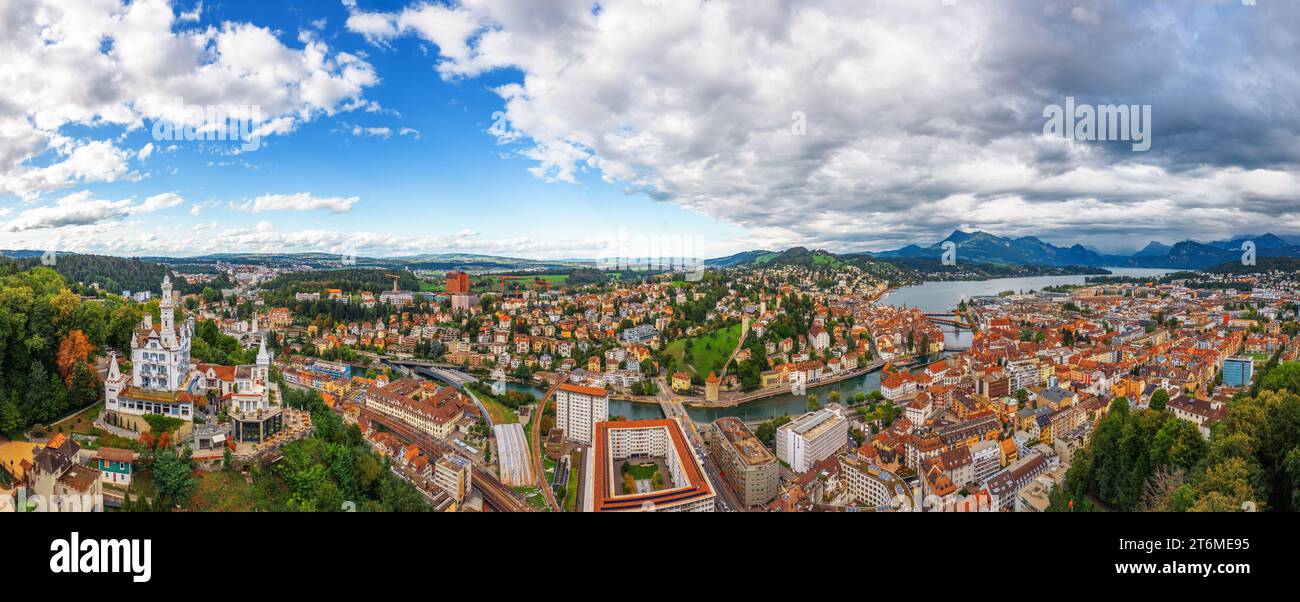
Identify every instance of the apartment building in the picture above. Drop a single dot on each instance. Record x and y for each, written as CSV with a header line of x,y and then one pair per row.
x,y
811,438
748,467
578,409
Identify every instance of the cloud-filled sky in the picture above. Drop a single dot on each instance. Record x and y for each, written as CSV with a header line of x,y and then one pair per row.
x,y
577,128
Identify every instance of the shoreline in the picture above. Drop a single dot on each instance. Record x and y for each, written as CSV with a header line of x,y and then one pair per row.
x,y
781,390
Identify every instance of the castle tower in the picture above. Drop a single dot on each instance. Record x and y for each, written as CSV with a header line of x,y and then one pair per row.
x,y
166,312
263,361
114,383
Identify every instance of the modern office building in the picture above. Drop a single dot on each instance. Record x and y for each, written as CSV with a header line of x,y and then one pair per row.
x,y
747,466
811,438
1238,371
578,409
454,474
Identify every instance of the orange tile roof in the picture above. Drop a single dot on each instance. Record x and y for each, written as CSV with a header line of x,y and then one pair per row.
x,y
697,486
593,391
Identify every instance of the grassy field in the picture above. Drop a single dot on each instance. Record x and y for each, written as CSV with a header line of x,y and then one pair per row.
x,y
535,498
708,352
571,492
82,423
641,472
224,491
677,351
500,413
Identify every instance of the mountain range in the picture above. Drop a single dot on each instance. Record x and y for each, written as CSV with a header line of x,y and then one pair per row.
x,y
992,250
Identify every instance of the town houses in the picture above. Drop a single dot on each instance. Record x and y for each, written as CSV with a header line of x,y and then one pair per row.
x,y
992,424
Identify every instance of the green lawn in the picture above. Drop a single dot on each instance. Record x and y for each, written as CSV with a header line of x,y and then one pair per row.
x,y
82,424
225,491
571,492
641,472
500,413
710,351
677,351
535,498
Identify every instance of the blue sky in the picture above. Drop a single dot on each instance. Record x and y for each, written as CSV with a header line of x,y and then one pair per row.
x,y
836,124
449,179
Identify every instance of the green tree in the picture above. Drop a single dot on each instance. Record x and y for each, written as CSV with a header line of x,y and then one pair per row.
x,y
84,388
174,477
11,418
1159,400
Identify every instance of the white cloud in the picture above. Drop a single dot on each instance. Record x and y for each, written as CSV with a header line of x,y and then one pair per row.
x,y
909,105
159,202
105,63
301,201
371,132
264,237
81,209
192,16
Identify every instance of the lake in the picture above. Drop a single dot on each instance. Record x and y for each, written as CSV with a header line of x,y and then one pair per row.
x,y
942,297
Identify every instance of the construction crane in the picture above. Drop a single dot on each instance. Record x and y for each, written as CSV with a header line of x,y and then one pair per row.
x,y
505,278
395,278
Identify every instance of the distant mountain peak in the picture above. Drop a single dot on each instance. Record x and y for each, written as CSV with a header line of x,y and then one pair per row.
x,y
1154,248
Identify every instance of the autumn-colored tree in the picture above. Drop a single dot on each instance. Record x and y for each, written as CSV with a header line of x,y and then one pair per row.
x,y
64,306
74,348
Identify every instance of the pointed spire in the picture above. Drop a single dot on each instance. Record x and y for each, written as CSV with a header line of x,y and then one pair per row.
x,y
114,372
262,356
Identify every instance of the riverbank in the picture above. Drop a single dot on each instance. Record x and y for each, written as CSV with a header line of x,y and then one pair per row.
x,y
735,400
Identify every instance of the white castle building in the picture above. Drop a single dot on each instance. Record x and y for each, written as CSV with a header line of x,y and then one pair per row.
x,y
162,381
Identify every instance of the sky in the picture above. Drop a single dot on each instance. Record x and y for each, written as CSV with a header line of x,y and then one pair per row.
x,y
568,129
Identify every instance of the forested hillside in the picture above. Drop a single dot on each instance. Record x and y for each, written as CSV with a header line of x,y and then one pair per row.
x,y
113,274
1150,460
49,338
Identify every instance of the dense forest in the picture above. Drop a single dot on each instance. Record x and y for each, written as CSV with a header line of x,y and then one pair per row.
x,y
1152,461
49,339
112,274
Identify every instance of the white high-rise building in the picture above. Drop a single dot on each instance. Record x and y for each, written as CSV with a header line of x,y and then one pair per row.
x,y
578,409
811,438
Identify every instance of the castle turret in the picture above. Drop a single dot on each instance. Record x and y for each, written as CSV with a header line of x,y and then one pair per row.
x,y
263,360
166,312
114,383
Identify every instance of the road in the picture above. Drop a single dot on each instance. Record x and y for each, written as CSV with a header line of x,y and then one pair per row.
x,y
673,408
739,345
494,492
